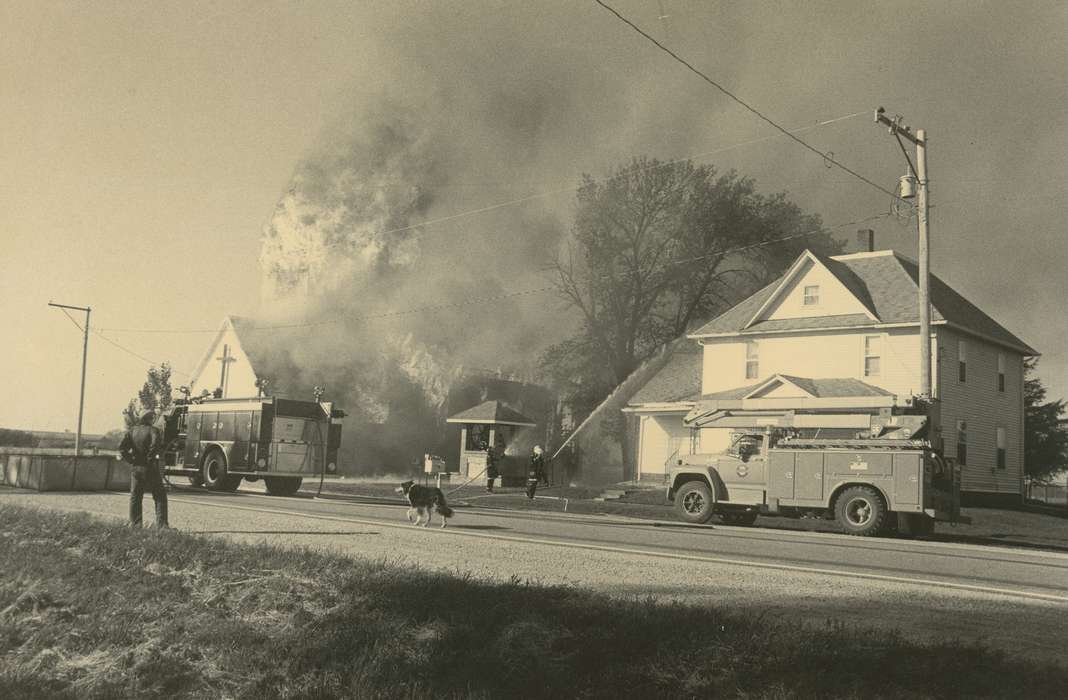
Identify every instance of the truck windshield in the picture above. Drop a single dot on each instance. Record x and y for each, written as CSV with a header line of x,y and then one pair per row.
x,y
745,445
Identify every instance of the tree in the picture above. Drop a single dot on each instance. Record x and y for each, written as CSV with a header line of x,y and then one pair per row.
x,y
1045,430
659,246
656,248
155,395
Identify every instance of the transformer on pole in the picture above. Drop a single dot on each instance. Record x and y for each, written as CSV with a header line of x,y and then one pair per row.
x,y
915,182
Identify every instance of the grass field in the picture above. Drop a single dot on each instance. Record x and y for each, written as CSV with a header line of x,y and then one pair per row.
x,y
92,610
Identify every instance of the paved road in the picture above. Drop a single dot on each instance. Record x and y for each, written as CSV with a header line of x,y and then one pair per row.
x,y
1013,599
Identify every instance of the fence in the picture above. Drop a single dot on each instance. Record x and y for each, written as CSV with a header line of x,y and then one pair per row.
x,y
1054,493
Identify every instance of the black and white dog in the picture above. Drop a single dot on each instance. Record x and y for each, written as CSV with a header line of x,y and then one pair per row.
x,y
425,499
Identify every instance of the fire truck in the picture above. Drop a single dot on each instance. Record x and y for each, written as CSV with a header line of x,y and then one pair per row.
x,y
218,442
892,478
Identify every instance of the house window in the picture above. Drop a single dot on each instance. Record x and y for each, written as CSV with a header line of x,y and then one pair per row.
x,y
962,360
812,294
1001,447
962,442
873,355
1001,372
752,360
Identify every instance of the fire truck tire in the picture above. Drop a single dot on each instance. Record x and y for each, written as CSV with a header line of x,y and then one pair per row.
x,y
214,474
282,485
861,511
694,502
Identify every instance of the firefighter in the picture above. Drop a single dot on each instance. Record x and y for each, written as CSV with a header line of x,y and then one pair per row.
x,y
536,473
492,461
140,448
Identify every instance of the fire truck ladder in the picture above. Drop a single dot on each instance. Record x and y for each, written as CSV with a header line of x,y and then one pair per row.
x,y
854,444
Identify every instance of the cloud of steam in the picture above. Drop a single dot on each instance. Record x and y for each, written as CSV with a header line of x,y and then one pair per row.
x,y
466,108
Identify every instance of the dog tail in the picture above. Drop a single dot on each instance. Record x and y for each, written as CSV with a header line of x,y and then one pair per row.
x,y
442,507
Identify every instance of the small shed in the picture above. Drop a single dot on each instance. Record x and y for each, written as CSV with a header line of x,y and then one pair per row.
x,y
499,427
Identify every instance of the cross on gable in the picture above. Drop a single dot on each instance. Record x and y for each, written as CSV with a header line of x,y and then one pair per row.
x,y
225,360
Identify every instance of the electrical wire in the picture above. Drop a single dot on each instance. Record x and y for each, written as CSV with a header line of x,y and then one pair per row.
x,y
826,156
76,324
134,354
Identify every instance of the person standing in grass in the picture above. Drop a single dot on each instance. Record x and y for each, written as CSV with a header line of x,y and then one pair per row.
x,y
140,448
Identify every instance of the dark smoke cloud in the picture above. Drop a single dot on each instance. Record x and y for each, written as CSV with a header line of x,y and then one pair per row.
x,y
467,107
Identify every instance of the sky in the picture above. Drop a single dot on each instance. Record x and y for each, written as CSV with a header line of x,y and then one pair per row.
x,y
144,147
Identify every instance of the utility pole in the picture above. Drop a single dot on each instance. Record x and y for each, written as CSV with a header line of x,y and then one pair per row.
x,y
915,183
85,354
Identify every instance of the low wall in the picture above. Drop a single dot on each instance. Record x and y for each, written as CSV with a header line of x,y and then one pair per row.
x,y
44,469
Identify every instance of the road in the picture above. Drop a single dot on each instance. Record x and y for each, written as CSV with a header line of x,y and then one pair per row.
x,y
1016,600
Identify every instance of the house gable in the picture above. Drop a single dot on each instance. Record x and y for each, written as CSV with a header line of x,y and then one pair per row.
x,y
811,288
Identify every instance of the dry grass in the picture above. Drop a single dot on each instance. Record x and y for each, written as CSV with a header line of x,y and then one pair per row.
x,y
90,610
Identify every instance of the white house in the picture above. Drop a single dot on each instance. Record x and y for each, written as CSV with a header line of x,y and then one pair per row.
x,y
832,342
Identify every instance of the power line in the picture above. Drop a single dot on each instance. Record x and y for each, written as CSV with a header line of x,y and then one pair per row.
x,y
139,357
826,156
76,324
497,297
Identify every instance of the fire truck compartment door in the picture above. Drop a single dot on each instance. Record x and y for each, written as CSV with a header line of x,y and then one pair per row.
x,y
908,478
780,475
288,429
296,458
808,475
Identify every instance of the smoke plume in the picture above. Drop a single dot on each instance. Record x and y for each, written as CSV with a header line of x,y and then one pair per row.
x,y
372,244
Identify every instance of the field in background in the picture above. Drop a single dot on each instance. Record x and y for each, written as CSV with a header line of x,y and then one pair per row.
x,y
91,610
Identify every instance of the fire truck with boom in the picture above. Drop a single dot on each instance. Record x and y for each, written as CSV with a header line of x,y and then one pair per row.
x,y
893,477
219,442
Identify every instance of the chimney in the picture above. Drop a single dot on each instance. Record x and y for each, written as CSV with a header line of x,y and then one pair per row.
x,y
866,240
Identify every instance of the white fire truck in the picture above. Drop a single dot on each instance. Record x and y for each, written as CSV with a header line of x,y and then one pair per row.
x,y
892,478
219,442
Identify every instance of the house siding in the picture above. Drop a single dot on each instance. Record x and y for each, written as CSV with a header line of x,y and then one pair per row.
x,y
978,401
837,354
834,298
661,435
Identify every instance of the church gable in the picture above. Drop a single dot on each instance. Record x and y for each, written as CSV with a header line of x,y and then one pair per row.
x,y
809,291
225,366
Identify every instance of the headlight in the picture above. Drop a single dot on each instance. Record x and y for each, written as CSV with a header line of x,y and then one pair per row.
x,y
331,467
261,463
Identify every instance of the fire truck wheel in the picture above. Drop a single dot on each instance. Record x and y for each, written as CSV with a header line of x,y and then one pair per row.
x,y
282,485
214,474
860,510
694,502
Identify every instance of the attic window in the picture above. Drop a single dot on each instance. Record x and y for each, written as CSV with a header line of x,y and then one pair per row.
x,y
812,295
